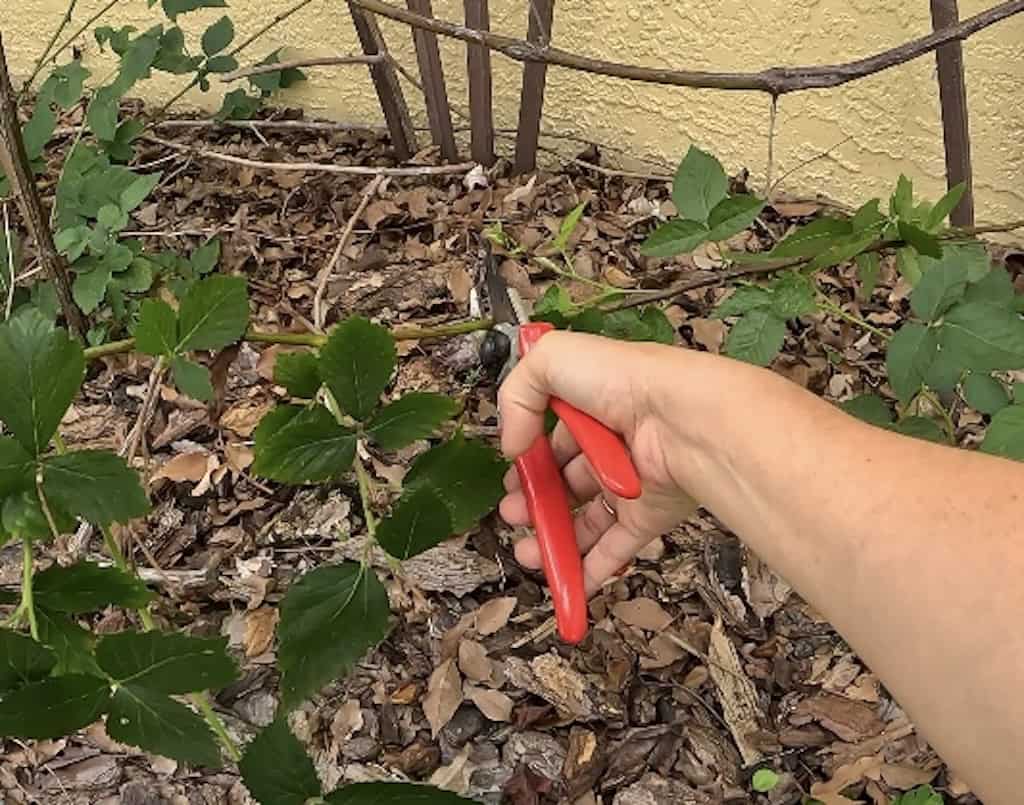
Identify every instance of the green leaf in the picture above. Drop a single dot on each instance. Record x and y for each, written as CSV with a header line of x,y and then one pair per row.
x,y
923,242
675,237
869,217
793,296
54,707
299,372
22,516
868,269
590,320
974,256
911,352
922,795
86,587
659,328
137,60
555,300
302,445
940,212
764,780
756,338
222,64
218,36
984,393
743,300
206,257
1005,436
942,285
275,767
700,185
238,105
103,111
138,191
112,217
984,336
22,661
39,129
419,522
415,416
995,286
841,251
467,475
156,723
569,224
920,428
16,467
157,331
732,216
172,8
192,379
172,57
329,619
166,662
356,364
42,369
814,238
66,83
909,265
96,485
869,408
89,287
902,202
395,794
213,314
72,644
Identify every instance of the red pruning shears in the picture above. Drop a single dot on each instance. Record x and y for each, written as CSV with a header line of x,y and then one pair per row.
x,y
546,496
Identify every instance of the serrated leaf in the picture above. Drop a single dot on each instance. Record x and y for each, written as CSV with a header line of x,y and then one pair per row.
x,y
1005,436
923,242
213,314
103,112
920,428
700,185
54,707
841,251
659,328
72,644
218,36
869,216
275,767
942,285
813,239
42,369
205,258
984,393
569,224
172,8
732,216
22,661
415,416
675,237
394,794
940,212
166,662
23,516
138,191
156,723
984,336
302,445
329,619
869,408
192,379
16,467
630,325
87,587
89,287
96,485
465,474
171,57
902,202
868,268
911,352
908,263
356,364
157,331
299,372
995,286
756,338
555,300
743,300
418,522
793,296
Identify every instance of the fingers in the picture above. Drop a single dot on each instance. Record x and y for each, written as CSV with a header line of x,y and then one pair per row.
x,y
616,548
590,523
579,477
563,445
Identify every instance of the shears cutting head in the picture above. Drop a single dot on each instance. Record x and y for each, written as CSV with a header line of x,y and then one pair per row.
x,y
499,349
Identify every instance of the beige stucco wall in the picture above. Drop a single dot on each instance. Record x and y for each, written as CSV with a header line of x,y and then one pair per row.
x,y
893,118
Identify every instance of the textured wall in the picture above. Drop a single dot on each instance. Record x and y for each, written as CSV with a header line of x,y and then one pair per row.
x,y
893,118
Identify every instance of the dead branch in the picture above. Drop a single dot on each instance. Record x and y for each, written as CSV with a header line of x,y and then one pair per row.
x,y
775,81
319,314
15,164
323,61
316,167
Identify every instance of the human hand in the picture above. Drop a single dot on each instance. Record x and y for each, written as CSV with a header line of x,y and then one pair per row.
x,y
621,385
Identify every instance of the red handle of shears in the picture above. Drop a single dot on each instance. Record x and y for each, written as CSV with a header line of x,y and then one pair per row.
x,y
548,501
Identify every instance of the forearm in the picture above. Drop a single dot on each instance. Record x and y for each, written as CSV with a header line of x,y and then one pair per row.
x,y
908,548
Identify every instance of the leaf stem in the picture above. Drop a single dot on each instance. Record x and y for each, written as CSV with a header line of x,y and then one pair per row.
x,y
27,602
947,418
45,55
829,306
202,701
70,40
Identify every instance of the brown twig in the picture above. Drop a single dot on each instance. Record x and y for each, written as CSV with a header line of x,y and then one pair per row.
x,y
319,314
45,55
15,164
277,20
323,61
775,81
316,167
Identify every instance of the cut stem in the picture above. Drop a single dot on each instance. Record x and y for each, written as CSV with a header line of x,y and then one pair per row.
x,y
27,603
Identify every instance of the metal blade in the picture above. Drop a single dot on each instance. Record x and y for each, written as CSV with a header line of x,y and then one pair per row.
x,y
503,301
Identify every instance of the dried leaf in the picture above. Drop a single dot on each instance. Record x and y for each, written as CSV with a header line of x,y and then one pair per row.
x,y
460,283
380,210
239,456
709,333
493,615
347,721
473,661
444,695
618,278
852,721
845,776
492,703
184,467
259,630
664,652
243,417
906,777
644,613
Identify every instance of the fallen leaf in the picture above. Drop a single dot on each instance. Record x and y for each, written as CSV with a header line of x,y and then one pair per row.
x,y
845,776
644,613
906,777
664,652
618,278
473,661
406,694
766,591
444,695
239,456
379,211
455,777
709,333
493,615
796,209
259,630
864,689
185,467
347,721
417,201
268,359
492,703
244,417
476,179
850,720
522,194
460,284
